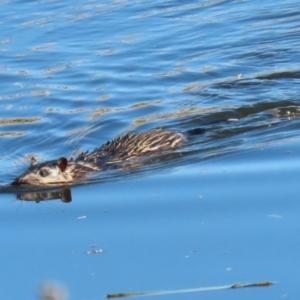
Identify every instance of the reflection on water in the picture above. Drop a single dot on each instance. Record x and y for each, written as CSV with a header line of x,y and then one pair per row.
x,y
63,194
38,194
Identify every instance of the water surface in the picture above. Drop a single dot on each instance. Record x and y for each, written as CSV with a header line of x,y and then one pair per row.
x,y
75,75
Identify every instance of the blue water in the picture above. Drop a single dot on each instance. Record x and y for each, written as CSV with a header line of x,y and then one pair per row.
x,y
224,210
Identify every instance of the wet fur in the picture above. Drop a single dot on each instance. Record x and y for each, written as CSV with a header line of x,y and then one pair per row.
x,y
124,149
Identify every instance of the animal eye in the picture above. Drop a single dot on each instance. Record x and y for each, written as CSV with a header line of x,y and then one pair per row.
x,y
44,173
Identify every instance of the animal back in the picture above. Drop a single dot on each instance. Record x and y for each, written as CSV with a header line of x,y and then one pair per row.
x,y
133,146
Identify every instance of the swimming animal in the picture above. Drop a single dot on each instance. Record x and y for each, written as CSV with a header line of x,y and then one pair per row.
x,y
125,149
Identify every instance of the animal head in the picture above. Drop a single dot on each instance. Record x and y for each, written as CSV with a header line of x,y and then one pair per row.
x,y
49,172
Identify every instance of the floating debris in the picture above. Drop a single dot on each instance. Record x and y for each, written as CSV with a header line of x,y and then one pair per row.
x,y
202,289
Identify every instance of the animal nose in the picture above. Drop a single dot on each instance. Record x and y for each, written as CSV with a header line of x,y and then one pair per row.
x,y
18,181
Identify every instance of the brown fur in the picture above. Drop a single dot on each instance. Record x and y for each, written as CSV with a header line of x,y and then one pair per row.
x,y
124,149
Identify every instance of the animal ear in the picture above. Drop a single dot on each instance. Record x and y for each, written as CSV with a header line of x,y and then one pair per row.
x,y
33,161
62,164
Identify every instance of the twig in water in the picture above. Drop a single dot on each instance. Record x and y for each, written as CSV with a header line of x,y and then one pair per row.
x,y
203,289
